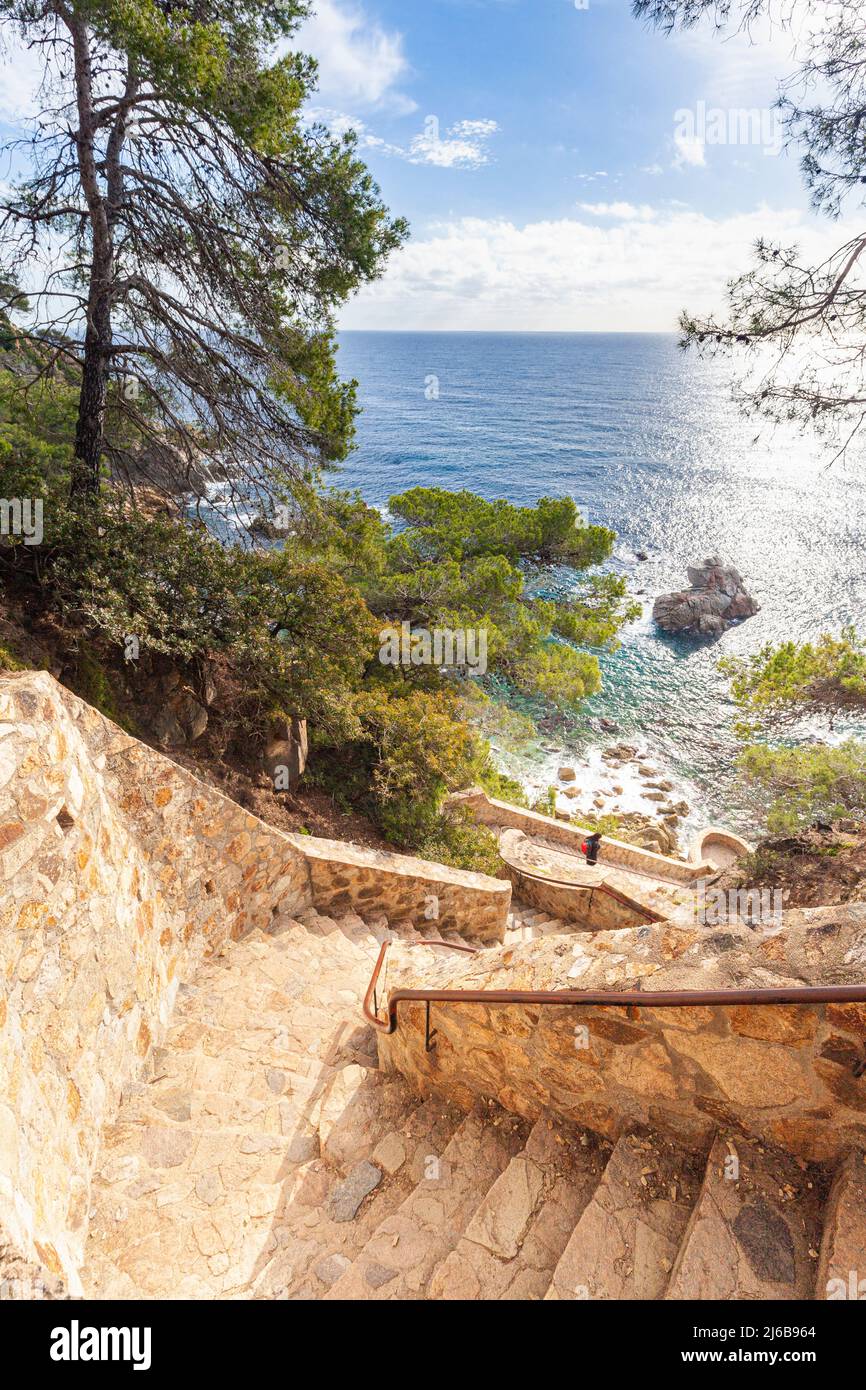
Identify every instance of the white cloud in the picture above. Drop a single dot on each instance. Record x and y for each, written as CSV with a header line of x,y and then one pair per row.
x,y
626,212
631,273
474,130
742,67
464,146
338,122
359,61
22,70
688,149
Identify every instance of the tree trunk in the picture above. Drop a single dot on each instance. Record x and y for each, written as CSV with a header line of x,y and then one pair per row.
x,y
90,428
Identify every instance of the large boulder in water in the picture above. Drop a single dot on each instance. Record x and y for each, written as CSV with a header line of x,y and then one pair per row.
x,y
715,600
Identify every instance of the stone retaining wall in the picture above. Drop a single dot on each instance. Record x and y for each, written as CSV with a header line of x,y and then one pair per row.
x,y
120,872
593,909
345,877
785,1074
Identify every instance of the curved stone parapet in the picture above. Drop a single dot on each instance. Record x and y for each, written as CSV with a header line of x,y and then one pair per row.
x,y
718,847
595,897
633,858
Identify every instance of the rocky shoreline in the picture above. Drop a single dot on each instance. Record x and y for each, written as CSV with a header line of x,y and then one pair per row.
x,y
591,775
656,829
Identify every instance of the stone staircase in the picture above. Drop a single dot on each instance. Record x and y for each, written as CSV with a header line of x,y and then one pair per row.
x,y
266,1156
527,923
265,1148
266,1087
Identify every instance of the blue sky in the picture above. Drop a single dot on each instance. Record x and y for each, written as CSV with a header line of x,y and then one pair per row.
x,y
571,91
551,162
562,166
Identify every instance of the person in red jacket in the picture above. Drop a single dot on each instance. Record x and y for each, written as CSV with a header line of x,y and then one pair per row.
x,y
591,848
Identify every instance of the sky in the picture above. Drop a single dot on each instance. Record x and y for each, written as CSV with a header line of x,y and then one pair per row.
x,y
562,166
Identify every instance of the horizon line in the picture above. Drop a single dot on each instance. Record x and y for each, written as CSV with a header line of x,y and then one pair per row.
x,y
535,332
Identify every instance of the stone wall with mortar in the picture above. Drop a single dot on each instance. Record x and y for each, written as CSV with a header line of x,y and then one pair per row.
x,y
488,811
345,877
783,1073
592,909
120,872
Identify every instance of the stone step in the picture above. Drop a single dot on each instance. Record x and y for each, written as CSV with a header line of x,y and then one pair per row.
x,y
400,1257
221,1141
531,916
315,1248
358,1108
515,936
551,926
266,1073
625,1243
311,944
405,929
318,927
541,925
842,1263
345,934
218,1189
318,923
755,1229
379,928
206,1112
356,930
512,1244
193,1225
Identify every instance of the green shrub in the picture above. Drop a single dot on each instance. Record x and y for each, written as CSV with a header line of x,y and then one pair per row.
x,y
784,683
462,844
296,638
605,825
296,629
796,786
9,661
545,803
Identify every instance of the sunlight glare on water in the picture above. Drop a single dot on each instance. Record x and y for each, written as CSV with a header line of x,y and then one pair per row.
x,y
649,442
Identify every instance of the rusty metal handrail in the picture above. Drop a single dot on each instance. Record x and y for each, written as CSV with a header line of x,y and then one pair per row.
x,y
371,1015
650,999
651,915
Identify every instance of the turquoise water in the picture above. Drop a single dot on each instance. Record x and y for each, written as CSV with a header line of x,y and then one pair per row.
x,y
648,442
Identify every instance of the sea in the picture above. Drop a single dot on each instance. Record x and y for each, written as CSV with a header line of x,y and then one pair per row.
x,y
649,441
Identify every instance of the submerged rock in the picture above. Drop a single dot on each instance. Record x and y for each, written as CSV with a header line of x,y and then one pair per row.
x,y
715,600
